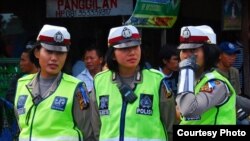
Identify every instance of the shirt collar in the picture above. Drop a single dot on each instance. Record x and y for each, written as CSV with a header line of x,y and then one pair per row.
x,y
167,76
33,82
137,79
33,85
86,72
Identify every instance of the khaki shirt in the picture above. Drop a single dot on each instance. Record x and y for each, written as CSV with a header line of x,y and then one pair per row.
x,y
233,76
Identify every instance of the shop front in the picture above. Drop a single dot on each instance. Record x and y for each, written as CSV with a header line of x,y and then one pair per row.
x,y
89,22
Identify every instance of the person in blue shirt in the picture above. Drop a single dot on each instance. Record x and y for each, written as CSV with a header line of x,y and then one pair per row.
x,y
93,59
169,65
78,67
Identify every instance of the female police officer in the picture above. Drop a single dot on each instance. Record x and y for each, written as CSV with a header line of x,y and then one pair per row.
x,y
212,101
127,95
51,104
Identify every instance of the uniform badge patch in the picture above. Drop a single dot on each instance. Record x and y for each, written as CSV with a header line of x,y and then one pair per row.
x,y
59,103
209,86
81,101
20,104
145,105
217,82
104,105
206,88
167,89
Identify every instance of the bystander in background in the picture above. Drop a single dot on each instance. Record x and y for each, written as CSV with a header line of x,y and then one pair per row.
x,y
93,59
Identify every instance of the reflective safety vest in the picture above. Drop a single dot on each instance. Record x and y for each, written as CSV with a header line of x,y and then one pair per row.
x,y
224,114
52,118
139,121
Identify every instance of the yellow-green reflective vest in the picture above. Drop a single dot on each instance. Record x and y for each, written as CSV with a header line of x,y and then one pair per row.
x,y
52,118
224,114
139,121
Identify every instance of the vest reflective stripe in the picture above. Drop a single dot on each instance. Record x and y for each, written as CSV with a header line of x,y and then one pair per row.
x,y
133,139
137,126
50,118
217,115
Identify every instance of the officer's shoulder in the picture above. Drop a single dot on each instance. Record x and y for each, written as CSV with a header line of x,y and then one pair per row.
x,y
27,77
212,84
156,72
215,77
215,82
70,78
102,73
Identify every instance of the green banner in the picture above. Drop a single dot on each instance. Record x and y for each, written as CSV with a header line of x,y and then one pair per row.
x,y
155,13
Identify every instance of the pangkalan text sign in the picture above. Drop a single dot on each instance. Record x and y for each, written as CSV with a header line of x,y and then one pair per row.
x,y
155,13
87,8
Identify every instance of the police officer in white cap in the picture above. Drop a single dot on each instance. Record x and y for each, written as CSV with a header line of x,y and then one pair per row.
x,y
52,105
132,102
204,96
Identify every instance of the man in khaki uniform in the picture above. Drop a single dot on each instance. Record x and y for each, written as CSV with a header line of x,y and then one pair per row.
x,y
225,65
228,53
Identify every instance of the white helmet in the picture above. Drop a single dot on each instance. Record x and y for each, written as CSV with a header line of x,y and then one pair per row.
x,y
55,38
196,36
124,36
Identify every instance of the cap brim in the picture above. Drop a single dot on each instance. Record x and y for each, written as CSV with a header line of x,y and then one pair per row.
x,y
189,46
232,52
128,44
55,48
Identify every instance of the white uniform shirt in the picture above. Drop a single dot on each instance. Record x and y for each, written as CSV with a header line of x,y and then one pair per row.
x,y
87,78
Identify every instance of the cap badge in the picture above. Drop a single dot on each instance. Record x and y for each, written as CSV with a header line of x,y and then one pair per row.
x,y
126,33
58,37
186,33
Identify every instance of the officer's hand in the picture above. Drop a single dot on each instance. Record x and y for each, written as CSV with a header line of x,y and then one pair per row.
x,y
186,75
188,63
